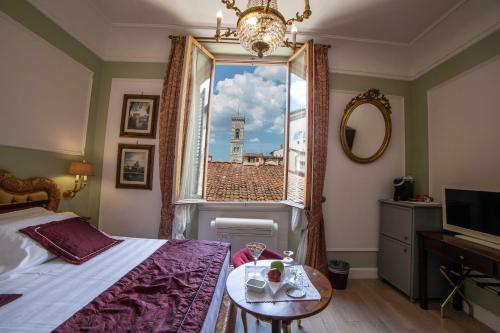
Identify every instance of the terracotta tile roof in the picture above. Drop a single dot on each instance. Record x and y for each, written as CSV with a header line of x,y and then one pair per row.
x,y
228,181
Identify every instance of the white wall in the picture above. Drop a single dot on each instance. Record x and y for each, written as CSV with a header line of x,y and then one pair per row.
x,y
45,94
128,212
352,190
464,130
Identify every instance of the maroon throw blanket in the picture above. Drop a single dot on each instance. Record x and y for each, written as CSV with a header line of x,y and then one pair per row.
x,y
7,298
170,291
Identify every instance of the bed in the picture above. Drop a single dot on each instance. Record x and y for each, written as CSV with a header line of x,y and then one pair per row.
x,y
135,285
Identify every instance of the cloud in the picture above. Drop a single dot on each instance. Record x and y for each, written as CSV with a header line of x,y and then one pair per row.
x,y
298,93
258,99
254,140
272,73
278,125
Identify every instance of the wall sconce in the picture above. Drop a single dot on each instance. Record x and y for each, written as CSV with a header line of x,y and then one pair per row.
x,y
81,170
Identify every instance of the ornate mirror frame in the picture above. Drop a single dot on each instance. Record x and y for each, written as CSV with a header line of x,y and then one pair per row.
x,y
376,98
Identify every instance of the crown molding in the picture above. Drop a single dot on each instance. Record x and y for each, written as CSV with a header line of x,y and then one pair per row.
x,y
440,19
176,28
311,33
439,60
378,75
71,31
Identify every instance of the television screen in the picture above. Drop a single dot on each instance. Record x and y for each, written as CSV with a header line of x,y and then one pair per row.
x,y
473,210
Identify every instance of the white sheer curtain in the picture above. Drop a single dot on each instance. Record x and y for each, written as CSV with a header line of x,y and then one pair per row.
x,y
182,218
299,227
193,157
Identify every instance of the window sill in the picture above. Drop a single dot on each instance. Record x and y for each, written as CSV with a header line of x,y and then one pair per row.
x,y
268,205
250,205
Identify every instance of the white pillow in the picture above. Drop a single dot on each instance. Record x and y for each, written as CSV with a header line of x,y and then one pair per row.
x,y
17,250
28,212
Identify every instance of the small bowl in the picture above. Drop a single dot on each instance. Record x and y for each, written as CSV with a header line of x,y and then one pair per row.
x,y
255,285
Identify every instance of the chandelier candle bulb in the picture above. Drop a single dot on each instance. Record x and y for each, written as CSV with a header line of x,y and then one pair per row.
x,y
219,19
294,36
219,22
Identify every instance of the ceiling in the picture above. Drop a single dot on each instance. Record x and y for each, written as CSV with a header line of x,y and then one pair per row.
x,y
391,21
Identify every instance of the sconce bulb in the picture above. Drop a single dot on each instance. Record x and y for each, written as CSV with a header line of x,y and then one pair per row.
x,y
219,15
294,29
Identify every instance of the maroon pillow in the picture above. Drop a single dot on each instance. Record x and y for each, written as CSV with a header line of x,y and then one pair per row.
x,y
73,240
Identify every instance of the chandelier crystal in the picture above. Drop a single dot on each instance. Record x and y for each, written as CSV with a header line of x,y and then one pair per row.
x,y
261,28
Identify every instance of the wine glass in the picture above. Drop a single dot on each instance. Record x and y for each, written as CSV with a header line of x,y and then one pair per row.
x,y
256,250
288,260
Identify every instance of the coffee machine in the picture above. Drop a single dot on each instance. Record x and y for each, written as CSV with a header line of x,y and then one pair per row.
x,y
403,188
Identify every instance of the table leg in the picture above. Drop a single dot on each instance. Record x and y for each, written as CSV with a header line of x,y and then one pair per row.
x,y
422,273
457,298
276,326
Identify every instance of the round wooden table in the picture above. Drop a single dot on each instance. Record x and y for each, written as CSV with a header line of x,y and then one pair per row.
x,y
279,311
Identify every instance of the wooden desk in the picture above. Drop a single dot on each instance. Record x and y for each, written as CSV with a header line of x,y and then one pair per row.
x,y
458,251
279,311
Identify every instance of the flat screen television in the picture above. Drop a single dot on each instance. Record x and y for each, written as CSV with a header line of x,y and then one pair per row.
x,y
472,212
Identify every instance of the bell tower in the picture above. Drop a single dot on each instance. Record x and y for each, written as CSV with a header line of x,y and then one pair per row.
x,y
237,131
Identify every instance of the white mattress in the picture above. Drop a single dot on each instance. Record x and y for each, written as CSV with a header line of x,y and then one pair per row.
x,y
54,291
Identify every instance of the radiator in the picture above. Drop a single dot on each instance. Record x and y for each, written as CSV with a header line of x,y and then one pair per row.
x,y
239,232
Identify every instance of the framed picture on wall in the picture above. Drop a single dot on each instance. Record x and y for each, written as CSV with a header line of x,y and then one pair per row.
x,y
134,167
139,116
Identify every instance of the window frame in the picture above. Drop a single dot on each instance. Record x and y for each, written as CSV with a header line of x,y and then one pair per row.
x,y
183,116
307,47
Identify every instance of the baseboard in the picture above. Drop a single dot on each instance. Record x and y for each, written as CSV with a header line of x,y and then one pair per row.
x,y
486,317
363,273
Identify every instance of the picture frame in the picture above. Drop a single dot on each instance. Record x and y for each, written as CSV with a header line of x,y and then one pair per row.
x,y
134,167
139,116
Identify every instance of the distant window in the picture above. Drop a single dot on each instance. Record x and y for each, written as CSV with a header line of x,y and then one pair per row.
x,y
237,133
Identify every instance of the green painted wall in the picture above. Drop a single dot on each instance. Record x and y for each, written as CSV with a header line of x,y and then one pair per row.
x,y
31,163
110,70
417,159
417,150
28,162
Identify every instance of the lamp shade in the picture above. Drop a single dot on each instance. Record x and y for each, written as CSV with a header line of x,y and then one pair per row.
x,y
81,169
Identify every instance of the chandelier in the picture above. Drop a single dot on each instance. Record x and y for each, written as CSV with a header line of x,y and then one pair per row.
x,y
261,28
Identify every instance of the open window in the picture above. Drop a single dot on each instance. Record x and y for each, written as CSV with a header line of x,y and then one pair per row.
x,y
293,157
193,122
299,128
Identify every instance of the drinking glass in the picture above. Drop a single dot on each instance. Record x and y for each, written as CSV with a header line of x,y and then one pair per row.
x,y
288,260
256,250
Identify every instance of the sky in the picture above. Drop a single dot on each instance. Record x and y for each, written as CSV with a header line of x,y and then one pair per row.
x,y
260,94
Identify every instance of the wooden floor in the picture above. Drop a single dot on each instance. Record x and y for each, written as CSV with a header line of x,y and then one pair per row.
x,y
372,306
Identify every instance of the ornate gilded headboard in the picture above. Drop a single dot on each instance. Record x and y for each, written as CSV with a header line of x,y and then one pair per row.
x,y
23,193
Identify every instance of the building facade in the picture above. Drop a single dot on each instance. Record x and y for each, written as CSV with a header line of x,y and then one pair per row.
x,y
237,137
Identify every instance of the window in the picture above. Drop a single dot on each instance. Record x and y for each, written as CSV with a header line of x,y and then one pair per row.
x,y
241,124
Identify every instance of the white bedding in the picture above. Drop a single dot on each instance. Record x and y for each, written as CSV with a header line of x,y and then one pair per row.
x,y
54,291
17,250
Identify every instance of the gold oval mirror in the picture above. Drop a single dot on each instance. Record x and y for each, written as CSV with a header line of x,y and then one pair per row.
x,y
365,129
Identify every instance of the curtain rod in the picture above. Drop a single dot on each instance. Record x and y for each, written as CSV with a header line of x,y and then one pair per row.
x,y
232,41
